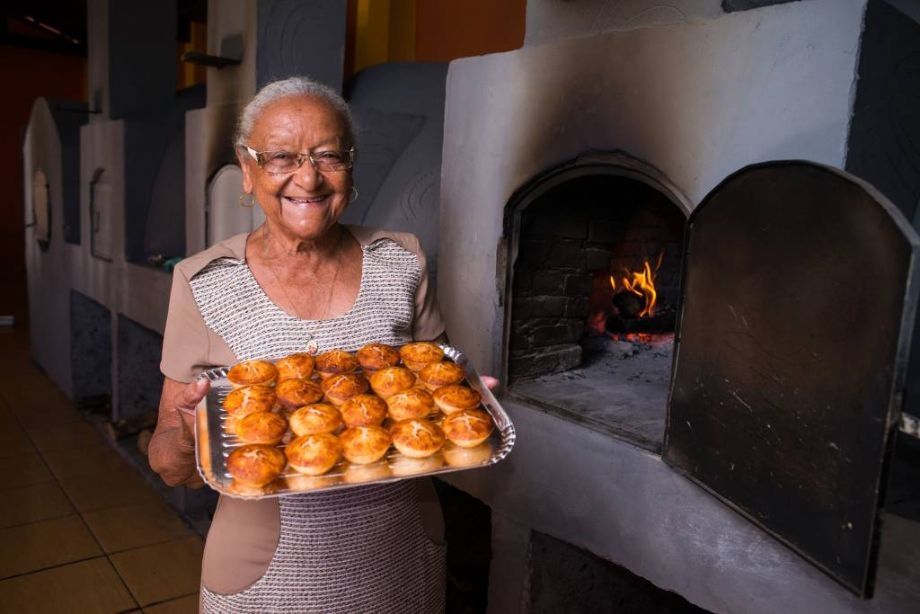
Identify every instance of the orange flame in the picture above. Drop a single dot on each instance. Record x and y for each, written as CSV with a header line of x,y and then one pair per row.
x,y
641,283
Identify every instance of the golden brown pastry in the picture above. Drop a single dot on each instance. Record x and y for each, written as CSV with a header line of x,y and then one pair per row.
x,y
376,356
420,353
339,388
455,397
439,374
458,456
356,473
405,466
261,427
468,428
416,438
315,418
248,399
295,366
411,403
389,381
364,444
363,410
255,464
313,454
294,393
250,372
334,362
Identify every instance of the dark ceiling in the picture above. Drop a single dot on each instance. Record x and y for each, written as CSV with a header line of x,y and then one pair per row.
x,y
60,25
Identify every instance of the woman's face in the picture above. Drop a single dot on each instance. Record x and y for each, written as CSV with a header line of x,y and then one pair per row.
x,y
304,204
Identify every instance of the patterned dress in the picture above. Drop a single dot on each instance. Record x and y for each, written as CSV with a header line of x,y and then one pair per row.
x,y
357,550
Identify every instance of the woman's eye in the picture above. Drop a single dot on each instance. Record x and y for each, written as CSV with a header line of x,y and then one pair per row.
x,y
282,156
328,156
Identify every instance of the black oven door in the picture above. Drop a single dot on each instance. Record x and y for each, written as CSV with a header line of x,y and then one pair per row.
x,y
798,300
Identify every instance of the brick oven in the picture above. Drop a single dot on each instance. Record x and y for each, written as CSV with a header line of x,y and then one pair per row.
x,y
581,336
594,151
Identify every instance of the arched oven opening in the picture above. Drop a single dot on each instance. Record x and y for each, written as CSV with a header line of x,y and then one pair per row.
x,y
592,288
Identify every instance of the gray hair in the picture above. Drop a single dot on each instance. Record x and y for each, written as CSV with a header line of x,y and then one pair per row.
x,y
292,86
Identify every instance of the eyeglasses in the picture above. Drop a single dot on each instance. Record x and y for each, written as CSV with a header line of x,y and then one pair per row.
x,y
285,162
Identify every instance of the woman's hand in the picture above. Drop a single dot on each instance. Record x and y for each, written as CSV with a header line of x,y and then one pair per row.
x,y
490,382
188,401
172,448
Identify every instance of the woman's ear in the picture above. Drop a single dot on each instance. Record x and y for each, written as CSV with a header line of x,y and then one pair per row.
x,y
245,168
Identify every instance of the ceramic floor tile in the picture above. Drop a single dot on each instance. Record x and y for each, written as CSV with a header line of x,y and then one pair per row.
x,y
117,486
32,504
80,434
89,460
131,526
14,441
87,587
24,470
161,572
31,547
183,605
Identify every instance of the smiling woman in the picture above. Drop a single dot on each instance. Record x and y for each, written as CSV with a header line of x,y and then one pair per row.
x,y
301,282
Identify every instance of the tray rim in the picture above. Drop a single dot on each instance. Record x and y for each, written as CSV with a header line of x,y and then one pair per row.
x,y
208,455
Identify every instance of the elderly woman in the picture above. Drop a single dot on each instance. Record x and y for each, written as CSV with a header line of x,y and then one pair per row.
x,y
301,280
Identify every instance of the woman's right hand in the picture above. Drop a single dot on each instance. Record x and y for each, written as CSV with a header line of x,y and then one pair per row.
x,y
187,402
172,447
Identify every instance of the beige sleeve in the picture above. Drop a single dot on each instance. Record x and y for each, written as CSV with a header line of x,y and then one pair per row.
x,y
185,338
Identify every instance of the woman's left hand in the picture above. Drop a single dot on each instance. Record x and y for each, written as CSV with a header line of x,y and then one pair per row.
x,y
490,382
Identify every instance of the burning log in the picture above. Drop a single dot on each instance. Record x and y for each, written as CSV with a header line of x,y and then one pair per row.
x,y
629,305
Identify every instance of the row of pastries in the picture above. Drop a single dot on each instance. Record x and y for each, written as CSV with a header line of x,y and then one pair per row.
x,y
302,414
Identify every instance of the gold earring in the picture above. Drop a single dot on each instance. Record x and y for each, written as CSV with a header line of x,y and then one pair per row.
x,y
247,200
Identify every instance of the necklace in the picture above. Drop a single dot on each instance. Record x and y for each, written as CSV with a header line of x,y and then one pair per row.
x,y
283,287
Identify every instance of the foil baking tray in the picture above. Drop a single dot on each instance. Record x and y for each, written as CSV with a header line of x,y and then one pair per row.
x,y
213,445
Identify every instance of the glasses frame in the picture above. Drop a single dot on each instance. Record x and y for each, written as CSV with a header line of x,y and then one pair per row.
x,y
259,157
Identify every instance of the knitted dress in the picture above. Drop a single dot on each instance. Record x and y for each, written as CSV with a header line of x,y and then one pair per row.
x,y
357,550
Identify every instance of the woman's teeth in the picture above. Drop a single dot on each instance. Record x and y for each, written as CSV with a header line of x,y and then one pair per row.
x,y
303,200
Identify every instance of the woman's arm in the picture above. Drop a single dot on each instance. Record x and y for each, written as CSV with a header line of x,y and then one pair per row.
x,y
172,447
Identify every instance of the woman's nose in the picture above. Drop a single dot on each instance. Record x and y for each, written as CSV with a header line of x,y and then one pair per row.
x,y
307,174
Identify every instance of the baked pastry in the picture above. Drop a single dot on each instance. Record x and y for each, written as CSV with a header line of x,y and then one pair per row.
x,y
356,473
468,428
248,399
294,393
439,374
420,353
261,427
315,418
416,438
455,397
411,403
458,456
251,372
363,410
339,388
376,356
255,464
405,466
334,362
313,454
295,366
389,381
364,444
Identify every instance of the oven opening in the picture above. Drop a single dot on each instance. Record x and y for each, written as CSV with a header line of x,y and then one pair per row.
x,y
595,286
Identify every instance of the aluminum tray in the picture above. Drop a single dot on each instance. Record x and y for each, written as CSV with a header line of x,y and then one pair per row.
x,y
213,444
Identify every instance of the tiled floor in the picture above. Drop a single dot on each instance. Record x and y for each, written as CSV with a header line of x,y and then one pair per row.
x,y
80,529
